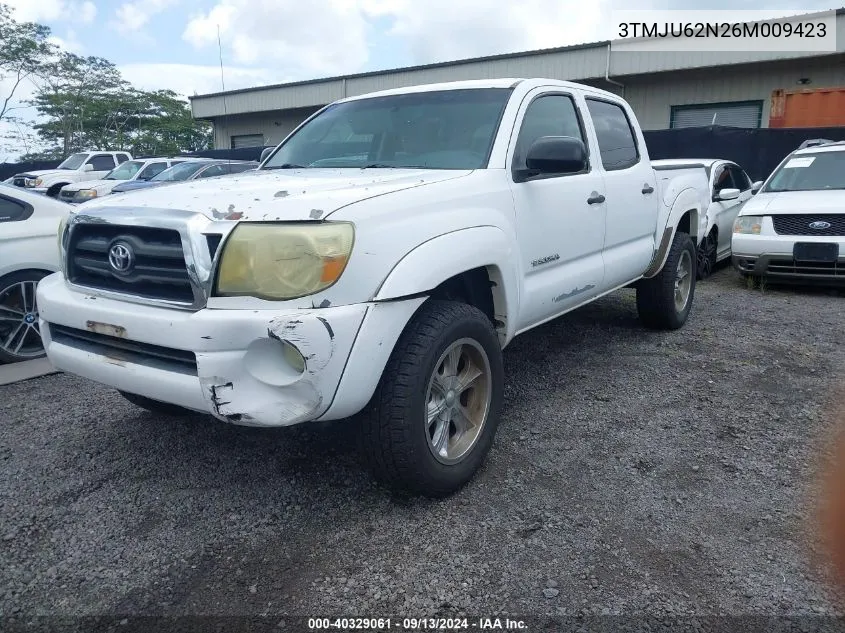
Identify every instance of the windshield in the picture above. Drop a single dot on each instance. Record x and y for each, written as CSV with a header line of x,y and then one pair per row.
x,y
448,129
810,172
182,171
74,161
125,171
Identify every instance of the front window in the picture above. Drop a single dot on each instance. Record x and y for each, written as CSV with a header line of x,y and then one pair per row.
x,y
182,171
125,172
74,161
450,129
809,172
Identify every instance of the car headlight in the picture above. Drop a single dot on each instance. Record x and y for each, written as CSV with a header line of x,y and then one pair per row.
x,y
32,182
60,234
85,194
748,224
283,261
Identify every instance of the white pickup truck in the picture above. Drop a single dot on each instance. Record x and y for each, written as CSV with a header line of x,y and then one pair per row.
x,y
75,168
378,262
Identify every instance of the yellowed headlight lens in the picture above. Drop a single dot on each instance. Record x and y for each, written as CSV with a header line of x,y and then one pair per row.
x,y
748,225
283,261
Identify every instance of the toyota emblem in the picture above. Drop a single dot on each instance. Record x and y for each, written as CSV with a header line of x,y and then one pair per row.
x,y
121,257
819,225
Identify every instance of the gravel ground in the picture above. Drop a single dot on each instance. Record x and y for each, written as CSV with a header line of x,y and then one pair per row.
x,y
634,473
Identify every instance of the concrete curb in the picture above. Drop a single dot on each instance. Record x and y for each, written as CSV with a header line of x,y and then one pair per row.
x,y
17,372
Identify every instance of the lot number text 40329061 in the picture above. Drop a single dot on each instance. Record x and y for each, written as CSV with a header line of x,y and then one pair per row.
x,y
415,624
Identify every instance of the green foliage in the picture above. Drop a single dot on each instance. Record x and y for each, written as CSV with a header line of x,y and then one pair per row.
x,y
23,49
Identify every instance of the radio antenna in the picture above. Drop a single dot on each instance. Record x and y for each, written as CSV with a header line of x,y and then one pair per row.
x,y
223,95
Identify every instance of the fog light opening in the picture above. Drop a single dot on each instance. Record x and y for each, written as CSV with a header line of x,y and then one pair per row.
x,y
293,357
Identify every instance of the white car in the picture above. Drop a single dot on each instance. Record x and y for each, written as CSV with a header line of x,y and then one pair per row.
x,y
140,170
29,224
383,254
730,188
75,168
794,228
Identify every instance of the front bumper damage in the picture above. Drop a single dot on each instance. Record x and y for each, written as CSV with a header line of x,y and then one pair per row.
x,y
238,365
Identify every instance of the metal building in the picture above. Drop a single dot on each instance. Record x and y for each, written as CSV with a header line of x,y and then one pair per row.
x,y
675,90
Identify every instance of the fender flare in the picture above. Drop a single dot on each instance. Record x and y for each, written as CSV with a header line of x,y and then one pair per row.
x,y
688,201
434,261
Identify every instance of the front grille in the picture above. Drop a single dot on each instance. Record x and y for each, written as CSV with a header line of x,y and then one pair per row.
x,y
19,181
800,224
158,269
788,266
121,349
67,195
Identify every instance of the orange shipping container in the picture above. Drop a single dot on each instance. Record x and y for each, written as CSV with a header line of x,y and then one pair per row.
x,y
822,107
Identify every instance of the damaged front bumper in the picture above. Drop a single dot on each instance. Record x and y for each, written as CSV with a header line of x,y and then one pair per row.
x,y
249,367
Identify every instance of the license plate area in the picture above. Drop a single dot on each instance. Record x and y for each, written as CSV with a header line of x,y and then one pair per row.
x,y
815,252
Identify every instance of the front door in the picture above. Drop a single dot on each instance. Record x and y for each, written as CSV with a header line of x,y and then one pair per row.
x,y
560,218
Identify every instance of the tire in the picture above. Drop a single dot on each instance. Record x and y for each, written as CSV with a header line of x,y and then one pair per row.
x,y
656,297
156,406
400,430
706,257
20,338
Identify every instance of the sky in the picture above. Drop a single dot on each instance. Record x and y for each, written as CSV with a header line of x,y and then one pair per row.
x,y
173,43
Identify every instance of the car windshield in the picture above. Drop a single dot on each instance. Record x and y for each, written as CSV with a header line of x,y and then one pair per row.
x,y
182,171
125,172
74,161
447,129
810,172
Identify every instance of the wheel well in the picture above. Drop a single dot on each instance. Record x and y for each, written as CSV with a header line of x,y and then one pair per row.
x,y
687,225
22,271
473,287
53,190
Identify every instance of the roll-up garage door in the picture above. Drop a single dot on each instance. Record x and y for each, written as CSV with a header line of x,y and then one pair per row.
x,y
745,114
247,140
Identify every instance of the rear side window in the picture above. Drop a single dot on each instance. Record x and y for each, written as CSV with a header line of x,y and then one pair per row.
x,y
617,143
214,170
122,158
13,211
102,162
237,168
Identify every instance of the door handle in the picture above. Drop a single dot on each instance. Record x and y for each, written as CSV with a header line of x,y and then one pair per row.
x,y
595,198
647,188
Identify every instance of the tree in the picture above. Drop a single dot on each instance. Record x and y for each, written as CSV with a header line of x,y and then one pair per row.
x,y
23,51
85,103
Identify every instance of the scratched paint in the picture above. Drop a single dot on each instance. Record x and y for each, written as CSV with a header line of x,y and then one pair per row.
x,y
574,292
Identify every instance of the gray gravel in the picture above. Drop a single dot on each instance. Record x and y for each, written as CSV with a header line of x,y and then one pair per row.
x,y
634,473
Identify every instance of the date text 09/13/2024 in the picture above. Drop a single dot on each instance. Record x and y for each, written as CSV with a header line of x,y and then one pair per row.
x,y
414,624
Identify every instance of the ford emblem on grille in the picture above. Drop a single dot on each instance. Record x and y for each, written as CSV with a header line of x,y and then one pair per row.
x,y
121,257
820,225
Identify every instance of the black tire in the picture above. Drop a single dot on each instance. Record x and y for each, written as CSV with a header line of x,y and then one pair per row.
x,y
34,347
156,406
707,253
395,437
656,296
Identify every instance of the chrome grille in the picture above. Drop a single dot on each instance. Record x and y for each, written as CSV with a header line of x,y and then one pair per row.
x,y
67,195
795,224
158,269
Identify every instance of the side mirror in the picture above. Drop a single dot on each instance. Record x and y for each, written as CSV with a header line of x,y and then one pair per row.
x,y
727,194
265,153
556,155
755,186
88,167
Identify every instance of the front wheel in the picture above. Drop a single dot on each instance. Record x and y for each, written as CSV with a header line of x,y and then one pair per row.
x,y
706,261
435,412
20,337
664,301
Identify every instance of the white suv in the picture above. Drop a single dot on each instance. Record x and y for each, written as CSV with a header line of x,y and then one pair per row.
x,y
794,228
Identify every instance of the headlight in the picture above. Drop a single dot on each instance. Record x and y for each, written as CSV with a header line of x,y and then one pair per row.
x,y
283,261
60,234
748,224
32,182
85,194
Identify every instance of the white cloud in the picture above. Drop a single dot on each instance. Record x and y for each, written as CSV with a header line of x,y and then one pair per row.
x,y
301,39
190,79
81,12
131,17
70,42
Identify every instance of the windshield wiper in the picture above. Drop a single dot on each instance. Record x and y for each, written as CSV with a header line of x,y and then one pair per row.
x,y
286,166
378,166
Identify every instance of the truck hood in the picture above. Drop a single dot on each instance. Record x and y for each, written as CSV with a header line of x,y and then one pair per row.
x,y
829,201
300,194
52,173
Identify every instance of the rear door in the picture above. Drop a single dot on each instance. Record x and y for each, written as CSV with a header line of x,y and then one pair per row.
x,y
632,198
560,218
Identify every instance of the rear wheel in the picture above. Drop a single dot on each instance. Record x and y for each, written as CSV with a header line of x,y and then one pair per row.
x,y
706,260
435,412
664,301
20,337
156,406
